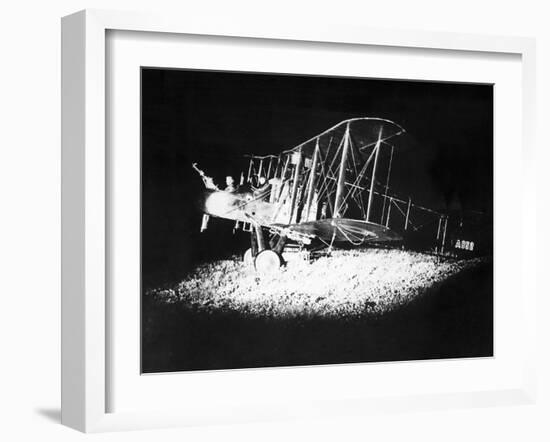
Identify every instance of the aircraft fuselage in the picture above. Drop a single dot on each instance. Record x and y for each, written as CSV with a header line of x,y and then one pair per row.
x,y
238,206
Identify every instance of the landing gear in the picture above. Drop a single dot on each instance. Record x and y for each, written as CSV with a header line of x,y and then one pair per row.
x,y
264,255
267,261
248,258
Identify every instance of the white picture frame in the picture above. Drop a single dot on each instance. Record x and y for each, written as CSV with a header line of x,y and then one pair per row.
x,y
85,209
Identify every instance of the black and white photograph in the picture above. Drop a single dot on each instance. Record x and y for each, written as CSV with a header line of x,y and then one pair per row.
x,y
295,220
288,221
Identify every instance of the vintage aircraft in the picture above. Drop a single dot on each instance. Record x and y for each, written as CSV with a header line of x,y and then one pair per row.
x,y
324,191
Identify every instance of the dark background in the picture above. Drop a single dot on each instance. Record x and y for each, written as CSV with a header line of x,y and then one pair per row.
x,y
215,118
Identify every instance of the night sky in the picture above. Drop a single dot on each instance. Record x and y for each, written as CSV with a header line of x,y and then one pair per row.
x,y
445,161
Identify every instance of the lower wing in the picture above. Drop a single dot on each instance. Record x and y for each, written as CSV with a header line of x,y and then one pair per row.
x,y
352,231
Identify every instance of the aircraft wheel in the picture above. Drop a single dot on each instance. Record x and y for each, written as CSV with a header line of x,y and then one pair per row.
x,y
248,259
267,261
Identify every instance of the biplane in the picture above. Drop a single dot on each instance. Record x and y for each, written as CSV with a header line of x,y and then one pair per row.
x,y
331,189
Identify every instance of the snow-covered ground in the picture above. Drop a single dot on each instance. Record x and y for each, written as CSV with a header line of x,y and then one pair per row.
x,y
345,284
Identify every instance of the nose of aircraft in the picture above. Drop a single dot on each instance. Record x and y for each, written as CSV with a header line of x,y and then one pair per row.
x,y
221,204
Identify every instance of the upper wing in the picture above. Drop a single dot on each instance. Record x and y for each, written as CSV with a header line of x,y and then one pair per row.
x,y
364,132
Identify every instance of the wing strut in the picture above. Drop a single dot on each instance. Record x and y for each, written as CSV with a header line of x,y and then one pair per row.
x,y
371,192
338,201
297,171
311,188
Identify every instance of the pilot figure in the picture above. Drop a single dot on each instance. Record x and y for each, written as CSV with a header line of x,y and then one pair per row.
x,y
261,190
230,184
261,184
